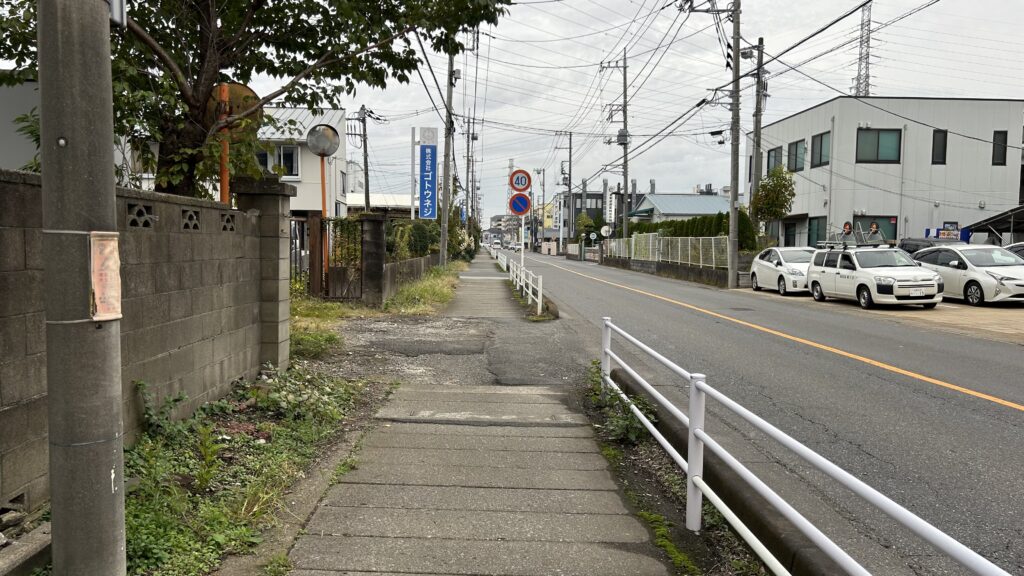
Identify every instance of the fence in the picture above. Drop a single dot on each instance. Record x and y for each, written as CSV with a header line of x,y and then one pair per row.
x,y
398,273
703,252
693,466
529,284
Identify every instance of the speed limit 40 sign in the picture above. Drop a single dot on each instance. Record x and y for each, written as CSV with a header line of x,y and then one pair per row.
x,y
519,180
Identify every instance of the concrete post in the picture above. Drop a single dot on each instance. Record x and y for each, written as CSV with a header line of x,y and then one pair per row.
x,y
373,259
317,266
82,289
272,200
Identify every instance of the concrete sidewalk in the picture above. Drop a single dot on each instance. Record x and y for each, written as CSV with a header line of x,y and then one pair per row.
x,y
479,464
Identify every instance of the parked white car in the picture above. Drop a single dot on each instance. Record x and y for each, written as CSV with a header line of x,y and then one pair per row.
x,y
873,276
1017,249
784,269
978,274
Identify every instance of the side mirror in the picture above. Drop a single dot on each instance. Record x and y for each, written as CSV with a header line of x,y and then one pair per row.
x,y
778,264
954,263
916,262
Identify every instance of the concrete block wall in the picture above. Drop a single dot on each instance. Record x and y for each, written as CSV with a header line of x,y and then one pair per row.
x,y
196,278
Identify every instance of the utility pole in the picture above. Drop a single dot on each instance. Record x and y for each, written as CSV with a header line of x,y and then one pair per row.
x,y
412,173
758,111
543,202
366,158
623,138
734,181
449,133
862,83
568,191
470,192
82,290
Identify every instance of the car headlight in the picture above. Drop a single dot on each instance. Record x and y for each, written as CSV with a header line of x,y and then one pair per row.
x,y
794,272
937,278
999,277
885,280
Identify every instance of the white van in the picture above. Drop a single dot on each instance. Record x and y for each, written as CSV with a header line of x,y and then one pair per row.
x,y
872,276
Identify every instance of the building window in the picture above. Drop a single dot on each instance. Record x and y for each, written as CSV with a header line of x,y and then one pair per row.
x,y
878,146
797,150
999,148
821,149
774,157
939,146
285,156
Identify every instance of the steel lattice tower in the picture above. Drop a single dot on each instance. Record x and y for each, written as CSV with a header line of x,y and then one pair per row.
x,y
862,83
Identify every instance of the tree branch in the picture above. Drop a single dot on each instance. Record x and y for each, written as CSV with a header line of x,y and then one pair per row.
x,y
166,60
322,61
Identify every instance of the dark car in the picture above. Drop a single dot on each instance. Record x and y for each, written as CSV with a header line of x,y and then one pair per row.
x,y
911,245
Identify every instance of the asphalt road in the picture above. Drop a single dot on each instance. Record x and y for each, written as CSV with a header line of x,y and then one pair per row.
x,y
933,419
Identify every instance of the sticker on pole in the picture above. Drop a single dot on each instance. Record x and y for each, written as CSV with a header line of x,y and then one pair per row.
x,y
519,180
519,204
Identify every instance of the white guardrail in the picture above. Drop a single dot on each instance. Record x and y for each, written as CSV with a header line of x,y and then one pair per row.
x,y
530,285
696,488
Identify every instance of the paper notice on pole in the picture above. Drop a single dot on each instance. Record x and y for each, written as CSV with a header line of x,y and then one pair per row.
x,y
105,273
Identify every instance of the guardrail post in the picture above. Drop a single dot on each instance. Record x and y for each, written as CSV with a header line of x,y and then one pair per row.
x,y
540,295
695,454
606,346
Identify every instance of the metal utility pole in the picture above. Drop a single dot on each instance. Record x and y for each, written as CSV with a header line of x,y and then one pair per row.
x,y
449,131
758,111
82,289
366,158
623,139
734,181
412,173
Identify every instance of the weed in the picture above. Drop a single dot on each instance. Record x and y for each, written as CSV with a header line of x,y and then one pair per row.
x,y
620,423
279,565
663,540
311,341
428,294
317,309
344,467
203,495
612,454
159,419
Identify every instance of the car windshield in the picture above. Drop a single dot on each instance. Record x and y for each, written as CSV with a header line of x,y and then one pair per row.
x,y
797,256
992,256
884,259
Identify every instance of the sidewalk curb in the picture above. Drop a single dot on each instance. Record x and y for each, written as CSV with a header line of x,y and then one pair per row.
x,y
787,543
31,551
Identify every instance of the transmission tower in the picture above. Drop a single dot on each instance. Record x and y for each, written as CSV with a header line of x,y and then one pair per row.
x,y
862,83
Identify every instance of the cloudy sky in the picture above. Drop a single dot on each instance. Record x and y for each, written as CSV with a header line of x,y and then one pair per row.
x,y
538,72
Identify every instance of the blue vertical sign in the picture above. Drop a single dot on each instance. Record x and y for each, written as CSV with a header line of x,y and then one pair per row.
x,y
428,181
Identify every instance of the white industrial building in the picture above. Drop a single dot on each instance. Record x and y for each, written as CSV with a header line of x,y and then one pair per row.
x,y
913,165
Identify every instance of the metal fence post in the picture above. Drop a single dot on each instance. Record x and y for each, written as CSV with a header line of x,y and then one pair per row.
x,y
606,345
714,257
540,295
695,454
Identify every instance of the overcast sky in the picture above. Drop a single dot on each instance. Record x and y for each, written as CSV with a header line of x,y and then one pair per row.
x,y
537,72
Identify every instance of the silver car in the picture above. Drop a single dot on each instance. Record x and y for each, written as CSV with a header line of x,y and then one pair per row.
x,y
977,273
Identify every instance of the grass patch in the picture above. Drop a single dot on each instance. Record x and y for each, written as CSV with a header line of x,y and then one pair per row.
x,y
663,540
312,340
279,565
344,467
303,306
429,294
208,485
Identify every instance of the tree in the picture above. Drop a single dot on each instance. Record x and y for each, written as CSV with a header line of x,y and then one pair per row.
x,y
174,53
584,226
774,198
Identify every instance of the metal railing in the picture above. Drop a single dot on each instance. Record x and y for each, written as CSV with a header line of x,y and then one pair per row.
x,y
704,252
696,488
530,285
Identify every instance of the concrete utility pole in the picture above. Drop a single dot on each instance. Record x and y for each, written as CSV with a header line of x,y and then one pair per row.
x,y
734,181
449,133
758,111
568,190
412,173
366,158
82,289
470,189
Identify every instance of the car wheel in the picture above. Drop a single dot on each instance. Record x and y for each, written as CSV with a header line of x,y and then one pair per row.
x,y
864,297
782,285
929,305
816,292
973,294
753,283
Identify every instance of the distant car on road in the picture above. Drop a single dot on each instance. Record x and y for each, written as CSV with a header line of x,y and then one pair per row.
x,y
911,245
784,269
872,276
977,273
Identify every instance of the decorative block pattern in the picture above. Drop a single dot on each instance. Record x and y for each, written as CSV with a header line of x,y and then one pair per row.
x,y
140,215
190,219
227,222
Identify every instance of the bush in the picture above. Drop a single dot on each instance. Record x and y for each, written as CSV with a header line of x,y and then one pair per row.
x,y
701,227
311,341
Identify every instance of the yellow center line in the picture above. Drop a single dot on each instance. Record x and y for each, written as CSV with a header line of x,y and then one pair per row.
x,y
804,341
